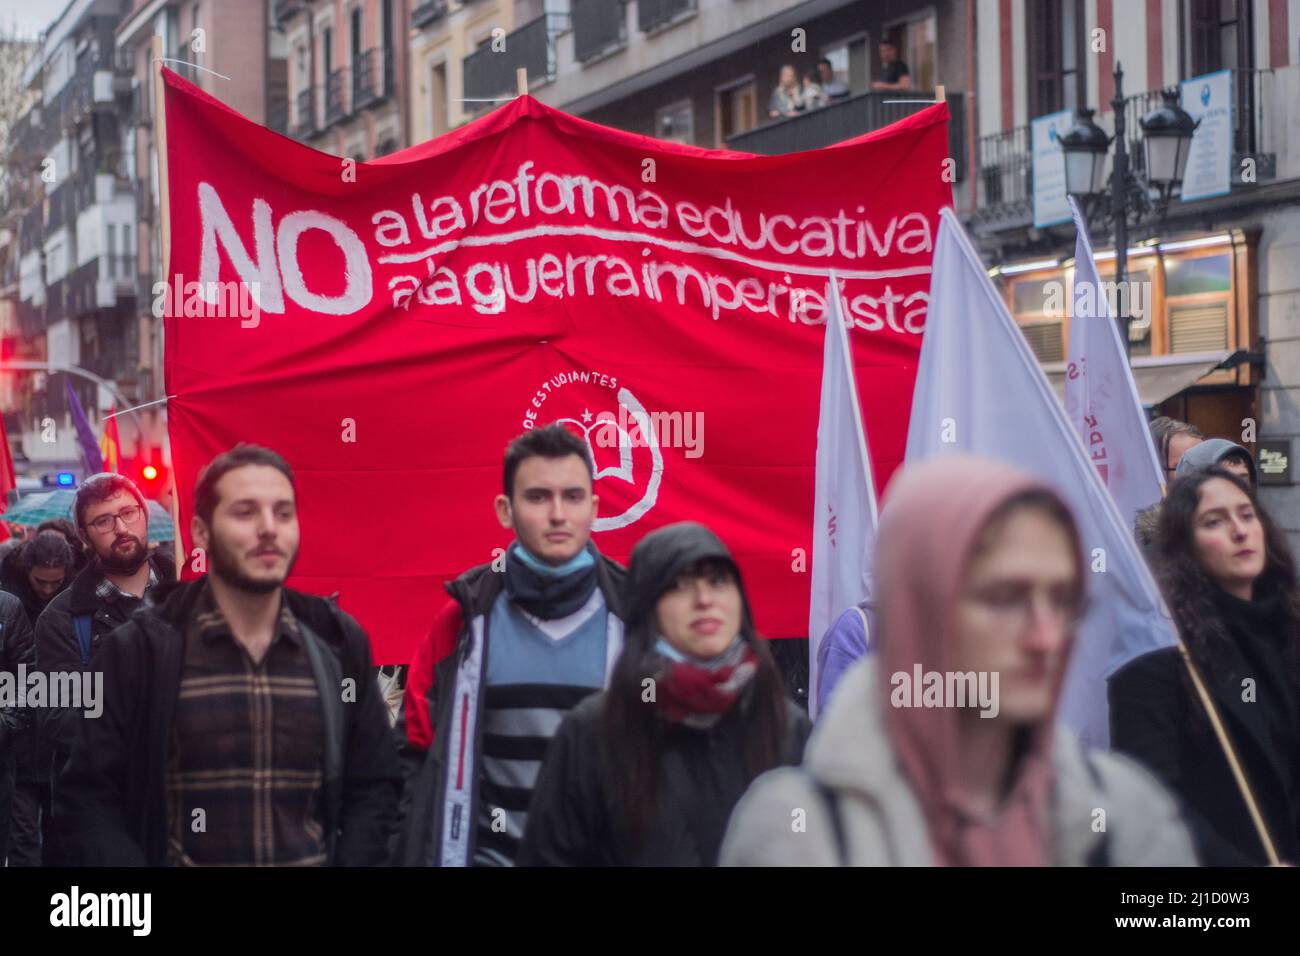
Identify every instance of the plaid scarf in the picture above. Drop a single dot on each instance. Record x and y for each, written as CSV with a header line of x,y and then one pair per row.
x,y
698,694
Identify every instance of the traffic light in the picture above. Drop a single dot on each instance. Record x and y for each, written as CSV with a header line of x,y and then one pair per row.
x,y
151,475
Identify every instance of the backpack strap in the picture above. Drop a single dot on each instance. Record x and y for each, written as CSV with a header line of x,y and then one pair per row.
x,y
1100,855
831,800
866,625
81,624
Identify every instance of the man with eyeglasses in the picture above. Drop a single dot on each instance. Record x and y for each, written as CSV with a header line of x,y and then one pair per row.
x,y
112,518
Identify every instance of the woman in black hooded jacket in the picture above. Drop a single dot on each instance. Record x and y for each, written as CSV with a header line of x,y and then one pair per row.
x,y
1229,579
648,772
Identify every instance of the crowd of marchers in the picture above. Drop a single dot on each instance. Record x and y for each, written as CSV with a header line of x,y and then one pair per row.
x,y
564,710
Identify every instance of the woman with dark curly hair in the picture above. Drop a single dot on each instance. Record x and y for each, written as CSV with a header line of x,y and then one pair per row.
x,y
1230,582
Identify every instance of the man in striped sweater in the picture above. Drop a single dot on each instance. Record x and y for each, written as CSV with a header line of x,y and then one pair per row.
x,y
524,639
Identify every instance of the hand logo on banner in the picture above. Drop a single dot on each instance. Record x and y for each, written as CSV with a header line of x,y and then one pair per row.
x,y
628,429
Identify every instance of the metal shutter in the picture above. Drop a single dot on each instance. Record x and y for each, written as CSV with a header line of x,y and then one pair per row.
x,y
1046,340
1198,328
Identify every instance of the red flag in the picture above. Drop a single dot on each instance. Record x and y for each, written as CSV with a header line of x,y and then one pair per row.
x,y
8,480
109,446
412,315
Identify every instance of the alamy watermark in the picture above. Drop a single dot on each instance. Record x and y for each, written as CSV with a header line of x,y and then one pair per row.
x,y
219,300
73,690
946,689
667,429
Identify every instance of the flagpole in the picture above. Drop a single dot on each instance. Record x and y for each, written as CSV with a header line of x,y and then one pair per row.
x,y
859,427
165,242
521,81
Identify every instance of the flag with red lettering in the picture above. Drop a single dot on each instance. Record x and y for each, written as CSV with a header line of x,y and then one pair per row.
x,y
390,326
1101,397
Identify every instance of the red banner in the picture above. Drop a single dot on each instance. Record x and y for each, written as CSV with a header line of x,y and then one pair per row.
x,y
390,326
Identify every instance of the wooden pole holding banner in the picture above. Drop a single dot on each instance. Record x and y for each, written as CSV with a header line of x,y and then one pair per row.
x,y
521,81
165,243
1230,752
940,96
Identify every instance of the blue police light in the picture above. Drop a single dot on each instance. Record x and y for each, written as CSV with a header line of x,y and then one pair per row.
x,y
66,479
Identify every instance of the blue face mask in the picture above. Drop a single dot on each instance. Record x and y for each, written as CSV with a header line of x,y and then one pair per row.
x,y
579,562
664,649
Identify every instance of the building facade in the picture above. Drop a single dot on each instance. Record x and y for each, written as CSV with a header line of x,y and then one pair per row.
x,y
227,49
84,249
1214,282
347,76
695,71
75,233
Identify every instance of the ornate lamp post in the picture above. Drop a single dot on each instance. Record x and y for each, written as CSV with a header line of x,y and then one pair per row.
x,y
1167,136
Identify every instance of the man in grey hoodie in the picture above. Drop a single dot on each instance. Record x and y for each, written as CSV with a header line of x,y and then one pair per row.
x,y
1218,451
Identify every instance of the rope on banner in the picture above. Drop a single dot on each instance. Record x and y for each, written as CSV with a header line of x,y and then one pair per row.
x,y
168,59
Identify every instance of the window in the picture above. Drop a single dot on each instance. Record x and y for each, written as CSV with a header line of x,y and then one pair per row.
x,y
850,63
916,46
1045,332
1056,58
438,99
327,50
1217,35
1198,292
736,108
676,123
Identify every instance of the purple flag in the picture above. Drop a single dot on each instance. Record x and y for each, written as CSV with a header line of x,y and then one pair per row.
x,y
90,454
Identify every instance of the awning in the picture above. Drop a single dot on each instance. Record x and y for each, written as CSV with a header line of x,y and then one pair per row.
x,y
1159,377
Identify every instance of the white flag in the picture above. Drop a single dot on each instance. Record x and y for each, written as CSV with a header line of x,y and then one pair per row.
x,y
980,390
844,519
1100,395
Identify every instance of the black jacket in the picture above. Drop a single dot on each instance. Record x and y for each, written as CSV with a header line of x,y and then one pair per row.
x,y
1157,718
111,798
33,755
13,578
57,648
15,649
571,821
428,765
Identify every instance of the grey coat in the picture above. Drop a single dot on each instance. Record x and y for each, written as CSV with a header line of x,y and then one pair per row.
x,y
880,818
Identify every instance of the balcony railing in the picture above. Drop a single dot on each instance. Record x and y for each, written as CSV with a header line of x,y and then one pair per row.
x,y
1252,133
1005,175
490,73
334,87
1004,179
283,10
599,27
277,118
851,117
652,14
422,14
372,78
305,118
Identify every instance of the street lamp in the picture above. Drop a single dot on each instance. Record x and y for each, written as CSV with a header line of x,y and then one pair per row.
x,y
1167,133
1085,145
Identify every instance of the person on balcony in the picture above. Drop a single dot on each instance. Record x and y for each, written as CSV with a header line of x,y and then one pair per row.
x,y
894,74
787,98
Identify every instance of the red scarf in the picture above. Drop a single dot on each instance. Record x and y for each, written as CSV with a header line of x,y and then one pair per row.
x,y
699,696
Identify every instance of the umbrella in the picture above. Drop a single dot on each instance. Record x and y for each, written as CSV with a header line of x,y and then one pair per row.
x,y
31,510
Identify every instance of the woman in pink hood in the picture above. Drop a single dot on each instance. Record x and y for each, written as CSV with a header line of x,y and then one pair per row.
x,y
943,749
